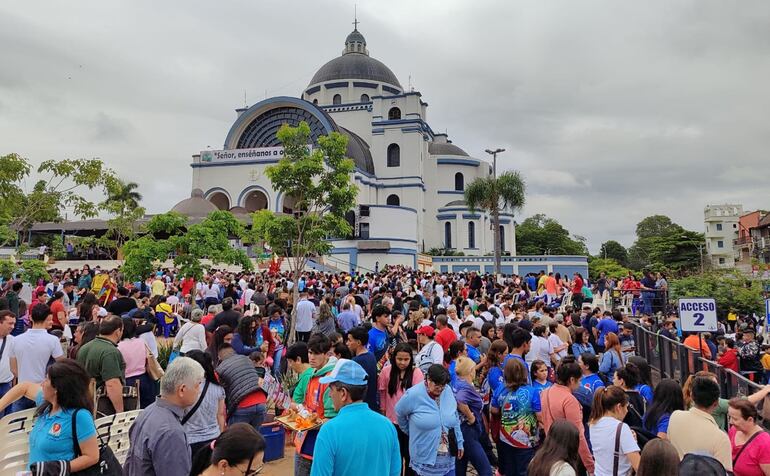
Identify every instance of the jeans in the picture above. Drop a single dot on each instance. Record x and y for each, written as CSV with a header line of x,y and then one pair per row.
x,y
473,452
647,298
22,404
253,415
4,387
302,465
303,336
514,461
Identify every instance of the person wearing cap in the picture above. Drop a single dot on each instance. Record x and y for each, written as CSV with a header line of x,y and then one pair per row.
x,y
430,350
357,440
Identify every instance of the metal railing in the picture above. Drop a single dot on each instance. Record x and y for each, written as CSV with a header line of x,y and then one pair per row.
x,y
674,360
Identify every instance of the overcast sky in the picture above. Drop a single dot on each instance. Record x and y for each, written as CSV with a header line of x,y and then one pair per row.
x,y
612,110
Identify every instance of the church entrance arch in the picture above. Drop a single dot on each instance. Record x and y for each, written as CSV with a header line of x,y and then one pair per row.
x,y
255,200
220,200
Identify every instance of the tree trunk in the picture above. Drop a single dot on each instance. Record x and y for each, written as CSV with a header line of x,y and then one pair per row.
x,y
496,231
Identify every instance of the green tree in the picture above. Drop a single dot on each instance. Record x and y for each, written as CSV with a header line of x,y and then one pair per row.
x,y
122,204
209,239
63,184
730,289
319,182
608,266
540,235
33,270
656,225
123,194
491,194
613,250
663,244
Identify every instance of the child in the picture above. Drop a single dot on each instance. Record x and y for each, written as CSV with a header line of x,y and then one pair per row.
x,y
539,373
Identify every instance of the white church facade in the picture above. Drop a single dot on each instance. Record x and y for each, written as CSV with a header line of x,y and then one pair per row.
x,y
410,178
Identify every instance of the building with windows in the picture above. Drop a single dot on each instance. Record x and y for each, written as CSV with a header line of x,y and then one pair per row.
x,y
410,178
721,223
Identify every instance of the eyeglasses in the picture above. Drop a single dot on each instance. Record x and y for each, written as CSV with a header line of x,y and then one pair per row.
x,y
250,472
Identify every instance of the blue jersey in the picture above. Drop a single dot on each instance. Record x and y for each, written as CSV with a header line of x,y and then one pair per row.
x,y
592,383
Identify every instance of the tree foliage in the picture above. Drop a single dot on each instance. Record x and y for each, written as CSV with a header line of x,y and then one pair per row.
x,y
492,194
33,270
209,239
730,289
61,185
611,249
318,180
608,266
662,244
540,235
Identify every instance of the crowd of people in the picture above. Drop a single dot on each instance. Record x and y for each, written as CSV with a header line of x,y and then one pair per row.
x,y
410,372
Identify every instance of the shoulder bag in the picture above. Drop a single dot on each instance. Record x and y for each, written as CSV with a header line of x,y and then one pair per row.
x,y
740,452
197,405
616,459
107,465
151,366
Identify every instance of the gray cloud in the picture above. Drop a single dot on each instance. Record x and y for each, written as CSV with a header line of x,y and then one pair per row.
x,y
612,110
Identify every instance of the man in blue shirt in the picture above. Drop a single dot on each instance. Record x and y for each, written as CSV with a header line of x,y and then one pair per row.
x,y
357,440
606,324
378,334
347,319
358,338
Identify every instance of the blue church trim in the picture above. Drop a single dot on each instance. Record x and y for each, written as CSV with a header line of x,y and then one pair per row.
x,y
470,162
213,190
394,206
250,189
341,84
359,84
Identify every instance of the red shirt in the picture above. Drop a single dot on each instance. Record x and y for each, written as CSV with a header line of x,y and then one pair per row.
x,y
577,286
445,337
187,285
57,307
730,360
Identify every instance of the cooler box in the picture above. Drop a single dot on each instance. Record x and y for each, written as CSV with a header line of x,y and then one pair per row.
x,y
275,438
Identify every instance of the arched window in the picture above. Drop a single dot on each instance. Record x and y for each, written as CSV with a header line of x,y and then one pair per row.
x,y
447,235
394,114
315,101
365,98
459,181
337,99
471,234
394,155
502,238
393,200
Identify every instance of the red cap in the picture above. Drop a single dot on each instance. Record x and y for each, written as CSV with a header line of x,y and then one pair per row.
x,y
426,330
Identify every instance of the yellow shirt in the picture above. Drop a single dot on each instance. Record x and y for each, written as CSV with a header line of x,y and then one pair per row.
x,y
165,307
765,361
158,288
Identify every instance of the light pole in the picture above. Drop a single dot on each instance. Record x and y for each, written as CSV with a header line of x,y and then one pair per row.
x,y
496,211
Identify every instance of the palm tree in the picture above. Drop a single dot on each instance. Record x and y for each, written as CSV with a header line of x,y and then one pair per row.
x,y
506,191
126,194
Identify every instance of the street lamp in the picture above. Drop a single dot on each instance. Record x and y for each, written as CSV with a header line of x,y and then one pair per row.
x,y
494,153
496,211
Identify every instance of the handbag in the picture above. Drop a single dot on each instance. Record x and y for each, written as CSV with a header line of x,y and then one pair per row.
x,y
735,460
153,368
107,465
452,442
194,409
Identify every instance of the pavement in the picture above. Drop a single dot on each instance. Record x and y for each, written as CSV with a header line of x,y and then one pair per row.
x,y
283,466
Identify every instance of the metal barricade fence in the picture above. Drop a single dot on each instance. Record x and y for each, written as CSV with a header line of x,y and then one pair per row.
x,y
674,360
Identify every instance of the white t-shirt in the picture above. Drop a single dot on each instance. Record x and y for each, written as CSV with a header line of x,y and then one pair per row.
x,y
556,342
539,349
305,312
483,317
562,468
603,442
5,360
32,351
211,292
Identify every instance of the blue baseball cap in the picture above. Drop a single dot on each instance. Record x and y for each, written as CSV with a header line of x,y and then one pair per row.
x,y
347,372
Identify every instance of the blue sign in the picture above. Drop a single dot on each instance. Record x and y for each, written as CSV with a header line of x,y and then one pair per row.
x,y
767,311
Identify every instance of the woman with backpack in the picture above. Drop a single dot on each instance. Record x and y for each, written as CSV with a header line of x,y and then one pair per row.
x,y
627,378
616,452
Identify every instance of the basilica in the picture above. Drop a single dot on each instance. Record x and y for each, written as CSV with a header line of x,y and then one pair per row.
x,y
410,178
